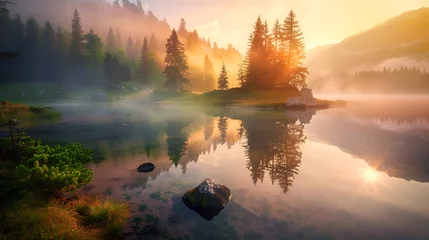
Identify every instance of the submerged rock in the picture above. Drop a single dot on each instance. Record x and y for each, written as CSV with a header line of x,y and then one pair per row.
x,y
146,167
207,199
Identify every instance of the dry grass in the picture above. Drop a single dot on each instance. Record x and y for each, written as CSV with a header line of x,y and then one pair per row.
x,y
57,220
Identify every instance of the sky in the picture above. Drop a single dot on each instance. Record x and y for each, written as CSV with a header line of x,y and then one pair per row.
x,y
322,21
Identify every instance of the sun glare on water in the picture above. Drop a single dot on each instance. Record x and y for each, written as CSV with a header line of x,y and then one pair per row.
x,y
370,175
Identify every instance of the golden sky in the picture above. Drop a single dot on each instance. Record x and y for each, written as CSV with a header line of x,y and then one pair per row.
x,y
322,21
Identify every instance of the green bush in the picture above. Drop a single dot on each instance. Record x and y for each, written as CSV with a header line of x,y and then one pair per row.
x,y
41,167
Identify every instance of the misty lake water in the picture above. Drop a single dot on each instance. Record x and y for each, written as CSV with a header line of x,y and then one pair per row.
x,y
355,173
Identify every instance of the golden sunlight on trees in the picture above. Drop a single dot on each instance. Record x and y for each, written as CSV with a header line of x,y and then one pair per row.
x,y
274,60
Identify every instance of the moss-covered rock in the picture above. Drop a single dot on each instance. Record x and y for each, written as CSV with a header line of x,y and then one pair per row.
x,y
207,199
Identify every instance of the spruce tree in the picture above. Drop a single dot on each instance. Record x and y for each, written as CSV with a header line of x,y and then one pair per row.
x,y
222,82
111,41
76,44
241,75
48,36
183,33
176,66
276,59
145,59
209,79
256,66
294,48
33,35
130,48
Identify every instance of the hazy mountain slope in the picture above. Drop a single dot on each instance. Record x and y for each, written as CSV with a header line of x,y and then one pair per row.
x,y
315,52
405,35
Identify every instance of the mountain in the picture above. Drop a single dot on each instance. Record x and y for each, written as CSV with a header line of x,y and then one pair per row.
x,y
403,37
314,52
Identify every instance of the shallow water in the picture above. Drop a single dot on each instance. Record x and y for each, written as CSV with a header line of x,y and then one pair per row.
x,y
355,173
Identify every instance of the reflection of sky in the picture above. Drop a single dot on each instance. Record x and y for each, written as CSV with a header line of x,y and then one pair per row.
x,y
330,195
393,125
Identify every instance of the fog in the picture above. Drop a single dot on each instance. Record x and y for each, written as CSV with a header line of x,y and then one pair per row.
x,y
96,14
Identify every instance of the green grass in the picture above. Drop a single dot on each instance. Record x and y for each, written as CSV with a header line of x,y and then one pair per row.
x,y
28,115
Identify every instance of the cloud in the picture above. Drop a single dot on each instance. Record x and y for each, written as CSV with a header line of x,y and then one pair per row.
x,y
209,30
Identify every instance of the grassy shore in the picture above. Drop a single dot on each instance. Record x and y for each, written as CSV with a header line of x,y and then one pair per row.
x,y
237,97
37,183
28,115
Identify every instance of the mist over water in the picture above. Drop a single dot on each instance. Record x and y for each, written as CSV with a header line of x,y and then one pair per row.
x,y
340,172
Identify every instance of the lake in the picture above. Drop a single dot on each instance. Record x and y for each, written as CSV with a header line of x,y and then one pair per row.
x,y
356,173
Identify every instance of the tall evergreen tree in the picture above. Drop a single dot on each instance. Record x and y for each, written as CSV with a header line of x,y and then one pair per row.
x,y
48,36
145,60
222,125
276,59
209,79
118,39
32,34
222,82
130,48
111,41
183,33
256,68
241,75
76,44
176,66
94,53
295,52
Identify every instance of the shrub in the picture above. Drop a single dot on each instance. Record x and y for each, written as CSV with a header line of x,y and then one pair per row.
x,y
42,168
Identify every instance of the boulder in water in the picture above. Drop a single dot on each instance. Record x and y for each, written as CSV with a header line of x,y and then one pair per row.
x,y
207,199
146,167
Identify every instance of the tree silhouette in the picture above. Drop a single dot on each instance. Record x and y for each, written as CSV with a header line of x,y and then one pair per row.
x,y
208,127
76,43
223,128
177,141
293,45
145,60
222,83
182,29
176,66
241,75
273,147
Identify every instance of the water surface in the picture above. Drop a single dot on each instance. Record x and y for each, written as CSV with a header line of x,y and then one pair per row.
x,y
355,173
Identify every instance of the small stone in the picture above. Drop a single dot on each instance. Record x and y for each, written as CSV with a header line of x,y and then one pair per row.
x,y
146,167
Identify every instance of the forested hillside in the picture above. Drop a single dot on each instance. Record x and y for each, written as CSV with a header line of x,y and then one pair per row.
x,y
99,43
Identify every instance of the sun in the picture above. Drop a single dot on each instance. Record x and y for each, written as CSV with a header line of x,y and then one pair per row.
x,y
370,175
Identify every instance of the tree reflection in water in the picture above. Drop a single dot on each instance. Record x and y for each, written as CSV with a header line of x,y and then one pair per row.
x,y
274,148
177,141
